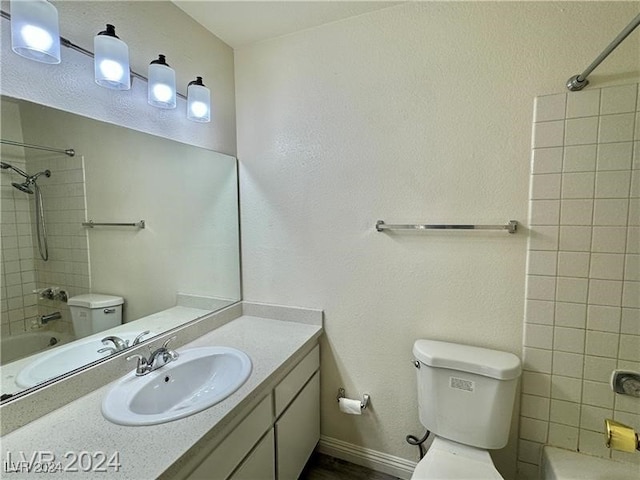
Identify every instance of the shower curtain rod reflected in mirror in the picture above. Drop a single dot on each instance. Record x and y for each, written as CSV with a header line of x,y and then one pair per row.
x,y
69,151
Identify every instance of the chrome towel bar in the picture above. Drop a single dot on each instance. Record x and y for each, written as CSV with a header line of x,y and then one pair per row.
x,y
511,227
91,224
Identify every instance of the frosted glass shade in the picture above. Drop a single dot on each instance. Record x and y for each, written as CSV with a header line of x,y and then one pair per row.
x,y
162,84
111,60
34,30
198,101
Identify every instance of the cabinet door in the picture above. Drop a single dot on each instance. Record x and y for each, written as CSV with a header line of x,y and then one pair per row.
x,y
298,431
260,464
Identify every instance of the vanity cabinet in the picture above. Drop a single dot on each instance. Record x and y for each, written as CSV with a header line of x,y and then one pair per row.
x,y
275,439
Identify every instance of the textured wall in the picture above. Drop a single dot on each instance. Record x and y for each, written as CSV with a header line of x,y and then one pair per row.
x,y
420,112
148,28
583,272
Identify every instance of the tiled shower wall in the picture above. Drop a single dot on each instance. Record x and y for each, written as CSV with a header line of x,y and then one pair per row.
x,y
582,316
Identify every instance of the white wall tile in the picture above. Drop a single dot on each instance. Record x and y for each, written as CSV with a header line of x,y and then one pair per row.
x,y
534,430
549,160
578,185
548,134
569,340
537,360
573,264
619,99
583,104
545,212
630,322
605,292
632,267
576,212
533,406
545,186
540,287
634,212
597,394
542,262
536,383
565,413
592,443
616,128
604,318
552,107
580,158
583,131
571,289
567,364
631,294
609,239
613,184
539,311
614,156
635,162
607,266
530,452
635,184
544,237
602,344
570,315
629,348
538,336
566,388
598,368
563,436
575,238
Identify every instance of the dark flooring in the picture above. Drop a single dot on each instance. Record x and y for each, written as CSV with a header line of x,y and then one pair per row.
x,y
324,467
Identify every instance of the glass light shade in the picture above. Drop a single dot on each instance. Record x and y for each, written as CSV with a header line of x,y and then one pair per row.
x,y
162,84
198,101
34,30
111,60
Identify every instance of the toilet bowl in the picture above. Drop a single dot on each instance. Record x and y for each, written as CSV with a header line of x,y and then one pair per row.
x,y
465,399
449,460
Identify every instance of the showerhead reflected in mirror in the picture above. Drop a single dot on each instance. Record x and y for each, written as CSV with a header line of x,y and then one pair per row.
x,y
182,265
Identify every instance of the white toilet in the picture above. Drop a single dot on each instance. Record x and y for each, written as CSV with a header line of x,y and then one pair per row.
x,y
94,312
465,398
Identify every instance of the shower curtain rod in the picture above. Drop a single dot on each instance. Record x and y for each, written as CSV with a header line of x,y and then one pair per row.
x,y
69,151
578,82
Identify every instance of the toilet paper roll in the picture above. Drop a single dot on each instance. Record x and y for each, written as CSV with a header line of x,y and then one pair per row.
x,y
350,406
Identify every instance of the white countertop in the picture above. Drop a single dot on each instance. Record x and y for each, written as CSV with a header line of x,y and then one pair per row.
x,y
145,452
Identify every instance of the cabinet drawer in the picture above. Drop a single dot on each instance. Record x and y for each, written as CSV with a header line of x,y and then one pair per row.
x,y
228,455
298,431
289,387
261,463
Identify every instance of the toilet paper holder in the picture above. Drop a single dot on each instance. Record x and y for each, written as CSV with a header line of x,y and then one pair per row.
x,y
363,404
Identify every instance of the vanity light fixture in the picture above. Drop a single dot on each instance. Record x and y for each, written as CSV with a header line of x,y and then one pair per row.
x,y
198,101
111,60
161,84
34,30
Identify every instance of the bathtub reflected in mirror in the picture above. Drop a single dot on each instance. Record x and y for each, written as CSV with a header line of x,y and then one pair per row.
x,y
185,261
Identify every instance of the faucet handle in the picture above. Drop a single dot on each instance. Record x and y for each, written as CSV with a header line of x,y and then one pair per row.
x,y
141,368
138,339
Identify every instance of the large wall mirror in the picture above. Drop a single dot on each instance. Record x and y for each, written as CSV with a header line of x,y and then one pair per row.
x,y
183,264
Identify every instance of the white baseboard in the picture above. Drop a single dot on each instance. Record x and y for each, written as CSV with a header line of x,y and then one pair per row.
x,y
381,462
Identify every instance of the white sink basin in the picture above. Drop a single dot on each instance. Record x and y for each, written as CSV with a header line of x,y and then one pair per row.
x,y
198,379
63,359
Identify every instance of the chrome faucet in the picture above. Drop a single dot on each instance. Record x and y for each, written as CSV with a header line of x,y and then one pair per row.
x,y
120,344
158,358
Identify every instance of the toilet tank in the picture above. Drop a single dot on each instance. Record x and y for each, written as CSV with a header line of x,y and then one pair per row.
x,y
94,312
466,393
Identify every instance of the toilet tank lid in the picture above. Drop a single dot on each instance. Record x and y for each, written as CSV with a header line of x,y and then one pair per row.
x,y
95,300
467,358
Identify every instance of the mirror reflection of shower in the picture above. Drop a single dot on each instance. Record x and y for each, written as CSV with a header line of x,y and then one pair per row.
x,y
30,186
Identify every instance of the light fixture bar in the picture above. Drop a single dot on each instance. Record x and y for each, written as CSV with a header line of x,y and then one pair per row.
x,y
69,44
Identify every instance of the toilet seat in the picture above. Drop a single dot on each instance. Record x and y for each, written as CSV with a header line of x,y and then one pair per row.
x,y
449,460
